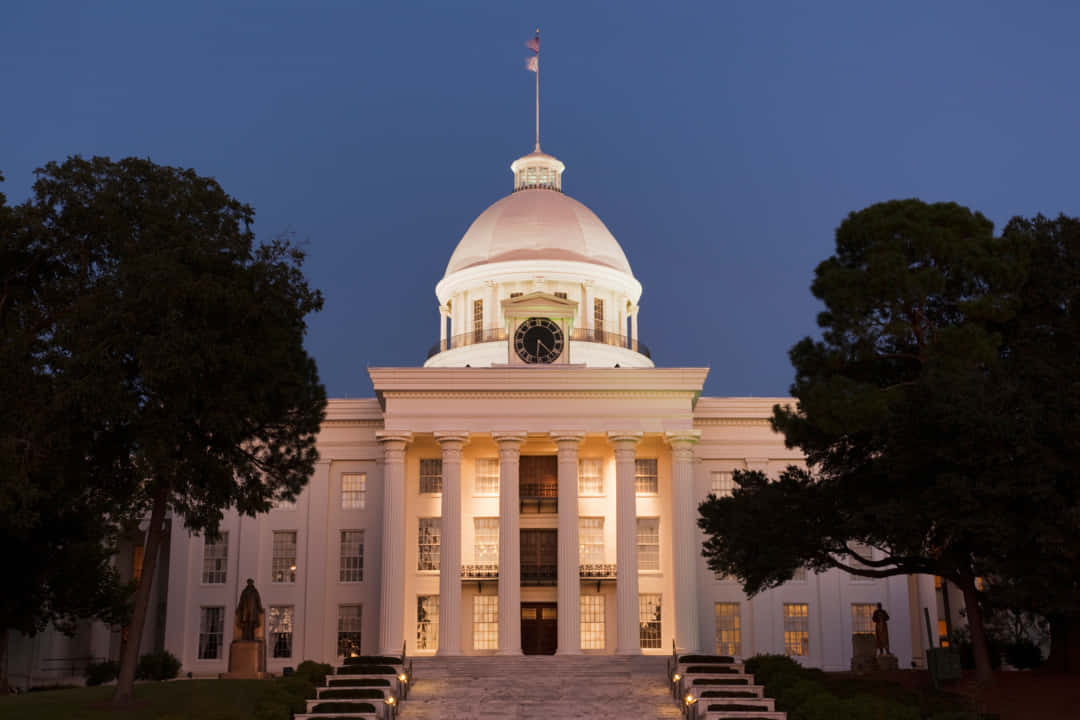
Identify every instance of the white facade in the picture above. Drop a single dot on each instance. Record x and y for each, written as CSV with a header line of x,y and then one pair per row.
x,y
451,448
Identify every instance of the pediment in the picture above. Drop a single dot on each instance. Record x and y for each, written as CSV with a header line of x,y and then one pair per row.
x,y
539,303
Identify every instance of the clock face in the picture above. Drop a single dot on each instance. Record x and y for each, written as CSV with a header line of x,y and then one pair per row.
x,y
538,340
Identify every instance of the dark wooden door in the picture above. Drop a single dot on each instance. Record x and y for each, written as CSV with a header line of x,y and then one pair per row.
x,y
539,628
539,557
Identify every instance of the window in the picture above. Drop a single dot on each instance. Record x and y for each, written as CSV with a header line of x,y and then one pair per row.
x,y
592,622
598,318
427,622
862,618
515,295
280,626
431,475
137,554
487,476
211,628
428,555
353,491
796,630
645,476
486,541
348,630
352,556
478,320
215,560
728,630
649,620
943,633
283,562
799,575
591,540
485,622
560,295
590,476
648,543
722,483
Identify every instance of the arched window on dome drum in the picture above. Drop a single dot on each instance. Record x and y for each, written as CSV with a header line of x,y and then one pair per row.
x,y
598,319
478,320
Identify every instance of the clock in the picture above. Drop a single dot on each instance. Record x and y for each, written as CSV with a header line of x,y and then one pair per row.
x,y
538,340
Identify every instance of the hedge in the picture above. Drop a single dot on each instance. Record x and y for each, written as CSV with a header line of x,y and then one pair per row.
x,y
353,694
713,669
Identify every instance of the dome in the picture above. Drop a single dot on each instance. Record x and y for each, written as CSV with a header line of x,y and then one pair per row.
x,y
538,224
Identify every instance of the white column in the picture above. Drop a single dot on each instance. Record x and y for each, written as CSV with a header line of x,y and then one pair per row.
x,y
509,543
491,307
633,327
450,544
569,575
444,313
684,539
587,307
313,572
628,638
392,583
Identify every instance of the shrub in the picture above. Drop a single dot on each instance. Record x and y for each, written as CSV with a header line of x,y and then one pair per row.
x,y
961,640
353,694
737,708
98,673
161,665
1023,655
764,667
372,660
283,697
720,681
729,694
313,672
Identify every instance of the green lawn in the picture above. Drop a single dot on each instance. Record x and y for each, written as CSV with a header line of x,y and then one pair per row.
x,y
178,700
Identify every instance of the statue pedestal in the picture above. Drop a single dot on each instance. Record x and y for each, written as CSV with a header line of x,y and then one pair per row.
x,y
887,662
247,660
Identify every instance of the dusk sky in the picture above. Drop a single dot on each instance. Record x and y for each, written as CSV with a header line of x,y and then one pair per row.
x,y
721,142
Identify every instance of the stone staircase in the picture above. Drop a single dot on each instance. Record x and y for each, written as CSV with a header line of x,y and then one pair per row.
x,y
367,687
715,687
544,687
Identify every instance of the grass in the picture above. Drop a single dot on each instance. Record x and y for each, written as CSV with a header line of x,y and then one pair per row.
x,y
179,700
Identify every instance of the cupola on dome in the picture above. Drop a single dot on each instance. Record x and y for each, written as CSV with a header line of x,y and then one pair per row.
x,y
538,222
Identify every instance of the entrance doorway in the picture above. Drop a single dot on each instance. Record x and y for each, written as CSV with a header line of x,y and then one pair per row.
x,y
539,628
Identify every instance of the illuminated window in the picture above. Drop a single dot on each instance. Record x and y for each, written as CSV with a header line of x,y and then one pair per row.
x,y
353,491
649,614
427,622
349,625
937,582
598,318
648,543
215,560
723,483
485,622
728,629
645,478
590,476
428,555
431,475
478,320
591,540
560,295
352,556
283,560
279,623
796,629
943,633
486,540
862,618
211,632
592,622
487,476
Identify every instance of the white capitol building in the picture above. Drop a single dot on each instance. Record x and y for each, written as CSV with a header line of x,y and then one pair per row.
x,y
532,488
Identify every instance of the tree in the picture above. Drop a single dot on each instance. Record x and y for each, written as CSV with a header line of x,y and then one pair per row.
x,y
181,341
58,548
898,415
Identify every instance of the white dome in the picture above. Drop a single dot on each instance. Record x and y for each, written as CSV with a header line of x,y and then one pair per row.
x,y
538,224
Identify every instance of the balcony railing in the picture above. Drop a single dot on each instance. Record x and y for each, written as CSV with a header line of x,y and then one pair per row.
x,y
539,574
597,571
487,335
480,571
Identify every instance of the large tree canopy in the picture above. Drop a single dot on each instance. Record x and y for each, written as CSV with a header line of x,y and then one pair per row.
x,y
908,413
179,343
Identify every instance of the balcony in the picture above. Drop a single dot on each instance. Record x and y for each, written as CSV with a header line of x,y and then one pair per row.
x,y
539,574
487,335
480,571
597,571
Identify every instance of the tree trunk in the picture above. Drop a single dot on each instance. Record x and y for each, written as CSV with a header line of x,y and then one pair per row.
x,y
129,653
4,687
1064,644
984,672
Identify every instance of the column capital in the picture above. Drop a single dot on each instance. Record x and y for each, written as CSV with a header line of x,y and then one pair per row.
x,y
508,437
491,283
387,436
445,310
567,436
449,437
683,438
624,438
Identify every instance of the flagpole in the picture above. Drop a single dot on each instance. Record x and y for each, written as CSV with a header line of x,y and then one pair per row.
x,y
537,93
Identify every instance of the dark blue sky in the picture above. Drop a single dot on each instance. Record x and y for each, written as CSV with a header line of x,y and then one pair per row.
x,y
722,143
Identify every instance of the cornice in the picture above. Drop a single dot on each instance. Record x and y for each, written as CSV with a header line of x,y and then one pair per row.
x,y
355,422
546,394
731,422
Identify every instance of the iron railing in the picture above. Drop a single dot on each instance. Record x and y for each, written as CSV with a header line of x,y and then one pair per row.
x,y
487,335
539,573
480,571
597,571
